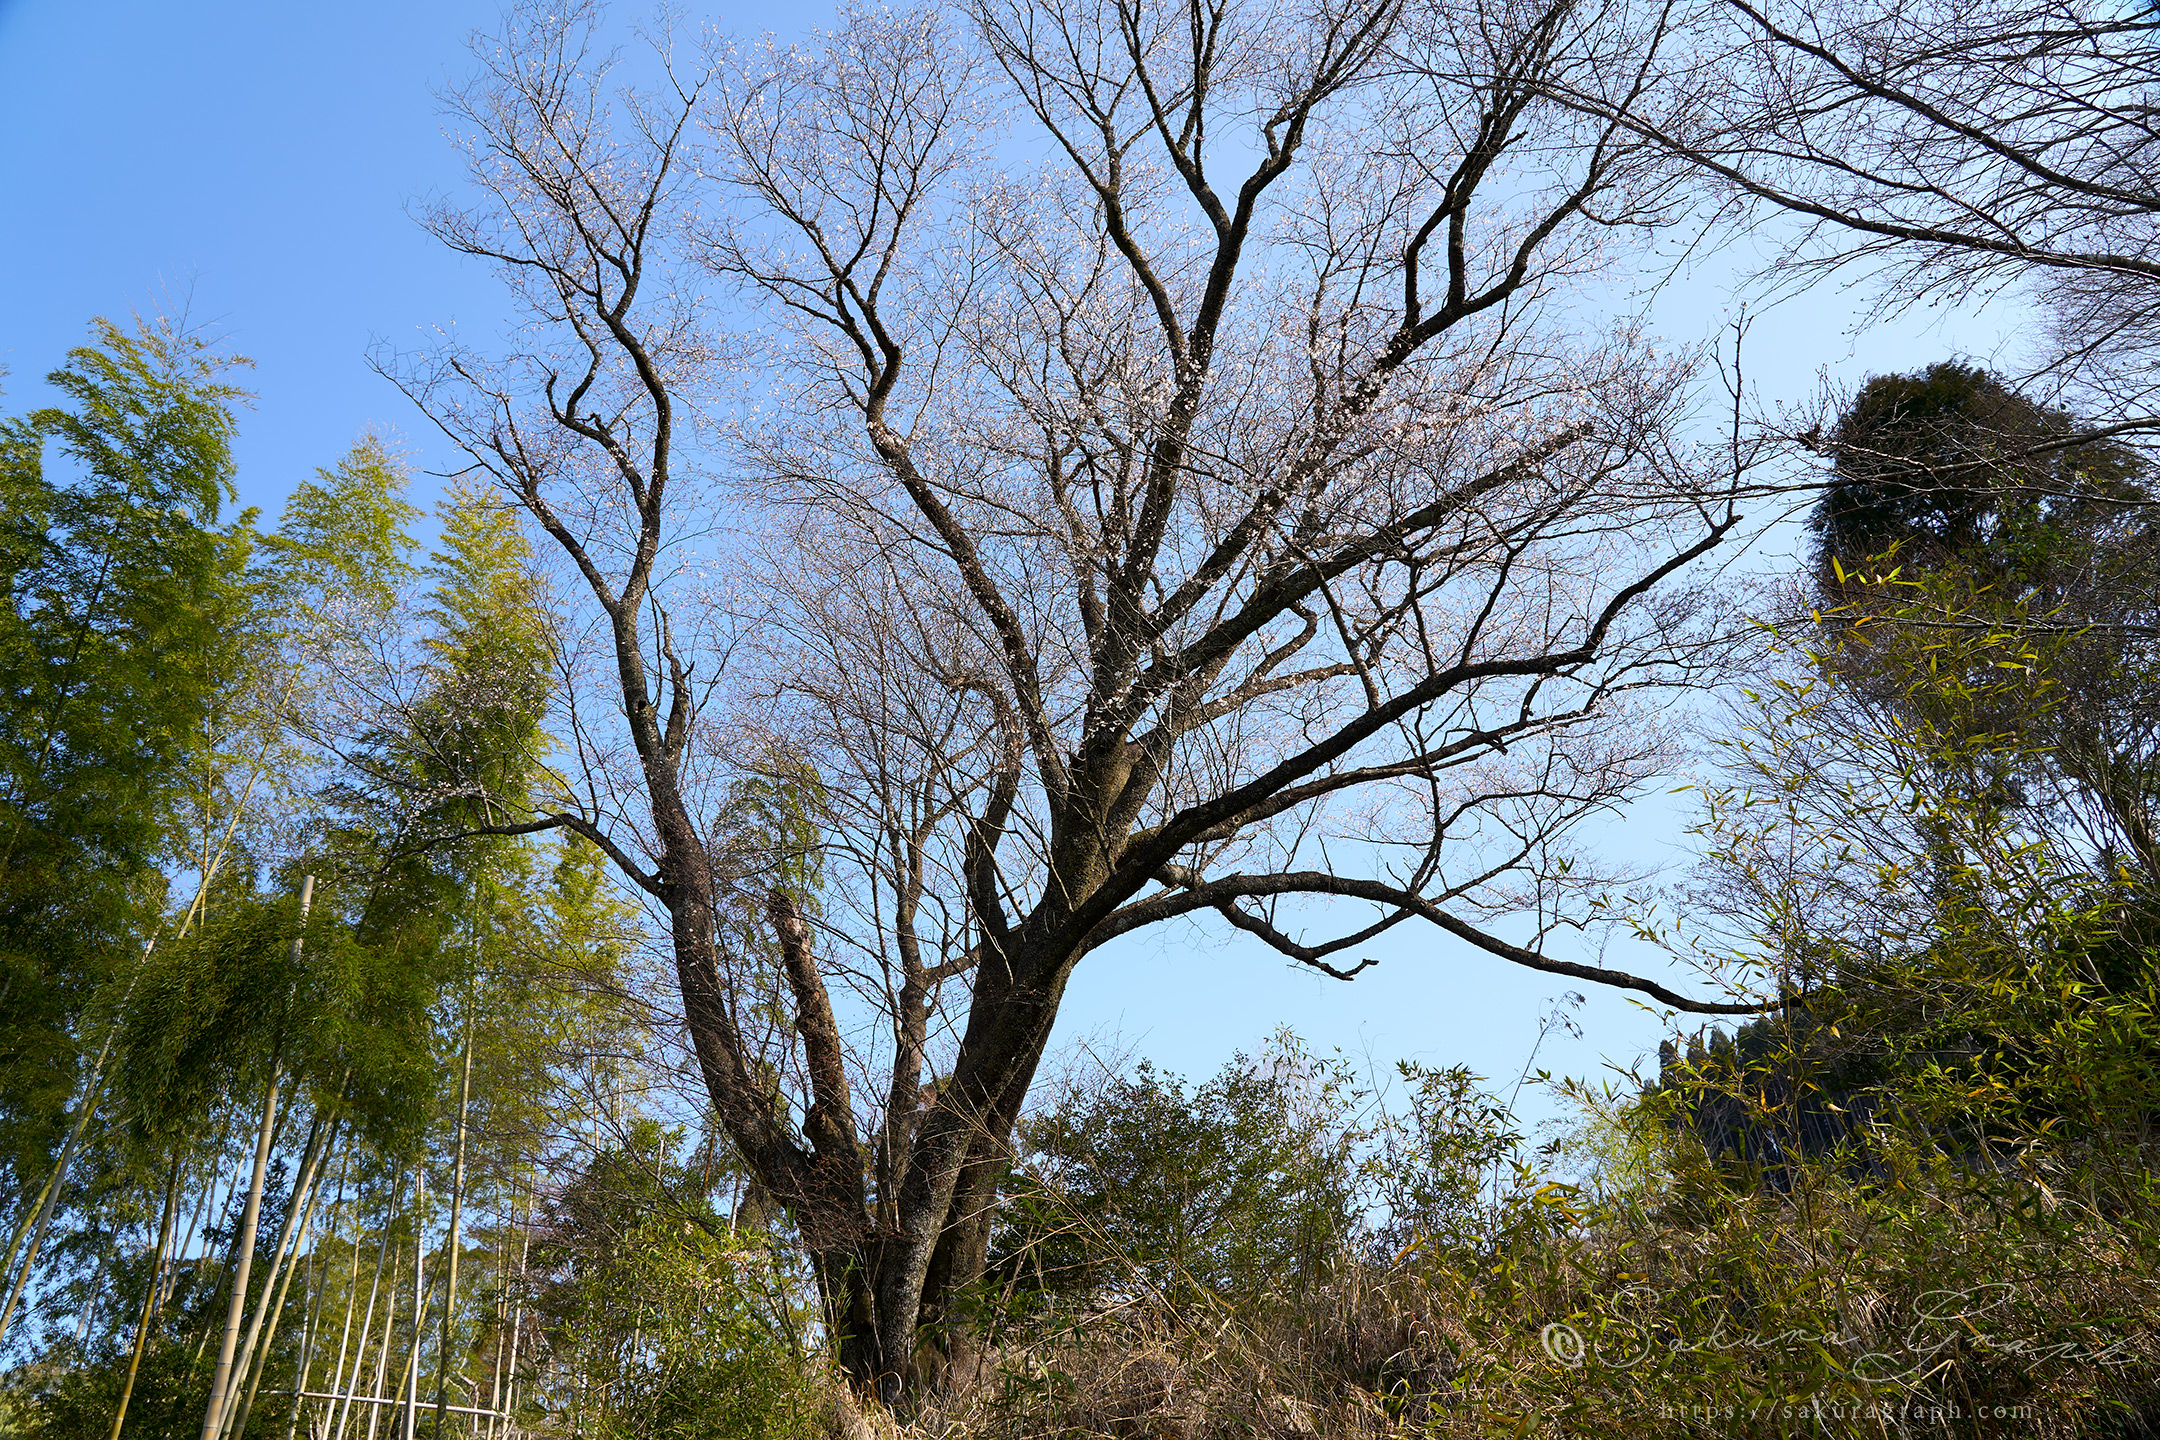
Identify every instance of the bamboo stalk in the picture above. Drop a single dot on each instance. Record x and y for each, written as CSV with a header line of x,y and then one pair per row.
x,y
375,1400
409,1377
256,1355
49,1195
382,1356
214,1208
397,1186
312,1333
517,1319
221,1379
97,1284
244,1355
352,1293
502,1319
150,1295
243,1262
457,1217
49,1200
203,1197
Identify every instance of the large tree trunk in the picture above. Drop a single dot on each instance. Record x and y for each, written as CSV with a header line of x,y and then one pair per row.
x,y
948,1202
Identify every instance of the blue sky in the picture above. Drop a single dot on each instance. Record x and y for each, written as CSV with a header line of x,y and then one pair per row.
x,y
255,162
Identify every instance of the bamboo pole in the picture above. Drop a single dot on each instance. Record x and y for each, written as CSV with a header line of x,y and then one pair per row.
x,y
303,1175
352,1293
221,1379
49,1196
243,1262
97,1284
457,1217
397,1186
502,1318
151,1297
49,1199
517,1319
369,1400
257,1354
382,1356
213,1209
171,1279
311,1335
409,1377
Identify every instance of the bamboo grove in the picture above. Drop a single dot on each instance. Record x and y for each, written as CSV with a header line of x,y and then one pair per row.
x,y
281,1144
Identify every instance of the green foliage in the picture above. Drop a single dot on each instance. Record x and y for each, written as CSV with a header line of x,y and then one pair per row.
x,y
341,549
1917,1199
431,911
1868,857
660,1319
1951,465
121,583
1247,1190
1445,1157
1967,522
476,740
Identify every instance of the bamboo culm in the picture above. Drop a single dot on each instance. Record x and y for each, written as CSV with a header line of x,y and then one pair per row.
x,y
243,1262
244,1355
256,1357
382,1356
409,1377
311,1333
457,1218
244,1248
151,1295
352,1383
49,1201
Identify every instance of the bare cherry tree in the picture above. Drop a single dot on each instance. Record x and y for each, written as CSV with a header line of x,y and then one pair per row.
x,y
1946,150
1176,478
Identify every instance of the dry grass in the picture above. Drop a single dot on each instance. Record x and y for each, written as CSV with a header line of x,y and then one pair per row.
x,y
1994,1307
